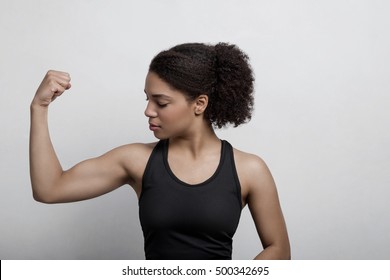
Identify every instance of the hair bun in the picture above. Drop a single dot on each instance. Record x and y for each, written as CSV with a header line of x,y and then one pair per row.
x,y
234,83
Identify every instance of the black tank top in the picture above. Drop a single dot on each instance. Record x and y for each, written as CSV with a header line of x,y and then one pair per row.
x,y
183,221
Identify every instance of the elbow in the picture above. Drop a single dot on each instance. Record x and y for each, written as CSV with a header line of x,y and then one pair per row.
x,y
46,199
44,193
40,198
282,253
282,249
287,250
274,252
286,255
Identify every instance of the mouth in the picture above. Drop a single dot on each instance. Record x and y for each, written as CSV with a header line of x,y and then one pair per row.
x,y
154,127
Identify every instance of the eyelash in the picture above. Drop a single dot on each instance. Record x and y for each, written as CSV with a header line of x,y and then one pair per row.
x,y
158,104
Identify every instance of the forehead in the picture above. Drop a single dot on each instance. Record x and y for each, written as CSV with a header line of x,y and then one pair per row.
x,y
154,85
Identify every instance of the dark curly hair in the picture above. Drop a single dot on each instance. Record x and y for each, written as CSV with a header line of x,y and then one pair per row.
x,y
221,71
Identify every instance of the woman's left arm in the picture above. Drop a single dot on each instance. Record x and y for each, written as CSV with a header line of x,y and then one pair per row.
x,y
263,203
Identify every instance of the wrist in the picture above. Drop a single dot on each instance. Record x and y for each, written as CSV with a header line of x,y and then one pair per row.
x,y
36,106
38,111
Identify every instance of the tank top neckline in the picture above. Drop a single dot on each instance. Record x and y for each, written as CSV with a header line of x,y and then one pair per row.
x,y
185,184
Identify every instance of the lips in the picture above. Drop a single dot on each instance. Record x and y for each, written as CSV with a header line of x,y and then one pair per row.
x,y
153,126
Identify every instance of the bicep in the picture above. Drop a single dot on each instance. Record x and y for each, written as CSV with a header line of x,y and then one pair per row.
x,y
90,178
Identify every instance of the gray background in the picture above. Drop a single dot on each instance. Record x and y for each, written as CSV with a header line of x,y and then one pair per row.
x,y
321,122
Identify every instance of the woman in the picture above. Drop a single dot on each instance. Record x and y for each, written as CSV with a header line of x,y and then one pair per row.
x,y
191,185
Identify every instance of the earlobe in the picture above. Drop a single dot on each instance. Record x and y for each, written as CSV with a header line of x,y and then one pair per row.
x,y
201,104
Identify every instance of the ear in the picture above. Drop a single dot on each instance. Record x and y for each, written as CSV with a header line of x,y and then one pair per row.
x,y
201,103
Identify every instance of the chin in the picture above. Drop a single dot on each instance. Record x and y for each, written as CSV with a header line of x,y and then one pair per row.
x,y
160,137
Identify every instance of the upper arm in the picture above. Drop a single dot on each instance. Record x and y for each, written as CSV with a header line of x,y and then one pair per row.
x,y
264,205
95,176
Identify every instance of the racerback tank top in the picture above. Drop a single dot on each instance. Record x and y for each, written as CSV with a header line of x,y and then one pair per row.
x,y
183,221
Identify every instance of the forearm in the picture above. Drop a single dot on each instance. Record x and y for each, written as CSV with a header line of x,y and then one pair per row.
x,y
45,168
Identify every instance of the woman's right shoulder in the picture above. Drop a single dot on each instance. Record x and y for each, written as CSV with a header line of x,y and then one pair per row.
x,y
134,158
139,146
134,150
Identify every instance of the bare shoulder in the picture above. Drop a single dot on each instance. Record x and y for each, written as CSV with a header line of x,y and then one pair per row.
x,y
249,164
134,149
133,157
253,173
134,154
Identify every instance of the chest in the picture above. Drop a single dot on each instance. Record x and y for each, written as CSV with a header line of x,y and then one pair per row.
x,y
193,171
213,204
188,210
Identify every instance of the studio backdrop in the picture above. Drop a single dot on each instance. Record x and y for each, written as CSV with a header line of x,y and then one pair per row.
x,y
321,119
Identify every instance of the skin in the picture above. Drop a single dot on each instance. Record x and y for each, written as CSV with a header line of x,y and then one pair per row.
x,y
194,153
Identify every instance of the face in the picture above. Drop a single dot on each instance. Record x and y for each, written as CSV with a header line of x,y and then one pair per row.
x,y
170,113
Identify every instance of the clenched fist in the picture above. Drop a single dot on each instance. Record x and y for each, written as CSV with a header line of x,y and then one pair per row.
x,y
52,86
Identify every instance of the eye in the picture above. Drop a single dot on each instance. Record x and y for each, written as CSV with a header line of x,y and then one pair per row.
x,y
162,105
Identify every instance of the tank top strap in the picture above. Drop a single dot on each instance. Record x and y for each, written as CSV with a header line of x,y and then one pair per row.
x,y
155,159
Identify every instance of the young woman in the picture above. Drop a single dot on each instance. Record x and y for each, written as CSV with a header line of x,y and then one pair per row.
x,y
191,185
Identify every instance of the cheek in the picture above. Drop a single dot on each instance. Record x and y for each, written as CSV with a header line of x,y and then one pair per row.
x,y
176,114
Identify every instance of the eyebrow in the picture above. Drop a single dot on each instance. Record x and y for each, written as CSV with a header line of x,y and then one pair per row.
x,y
159,95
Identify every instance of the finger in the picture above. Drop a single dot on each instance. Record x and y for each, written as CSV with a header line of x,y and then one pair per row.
x,y
57,89
57,73
62,78
58,93
64,83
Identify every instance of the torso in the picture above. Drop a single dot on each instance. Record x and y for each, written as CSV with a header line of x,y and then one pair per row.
x,y
190,208
192,172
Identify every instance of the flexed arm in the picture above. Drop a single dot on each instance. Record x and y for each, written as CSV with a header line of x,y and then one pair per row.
x,y
45,168
50,183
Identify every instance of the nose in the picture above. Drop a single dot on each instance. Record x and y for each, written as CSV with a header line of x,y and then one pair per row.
x,y
149,111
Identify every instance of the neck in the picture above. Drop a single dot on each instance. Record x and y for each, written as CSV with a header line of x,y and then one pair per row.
x,y
197,142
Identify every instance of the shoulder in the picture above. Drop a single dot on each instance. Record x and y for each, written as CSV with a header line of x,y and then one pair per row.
x,y
132,150
133,157
253,173
249,163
